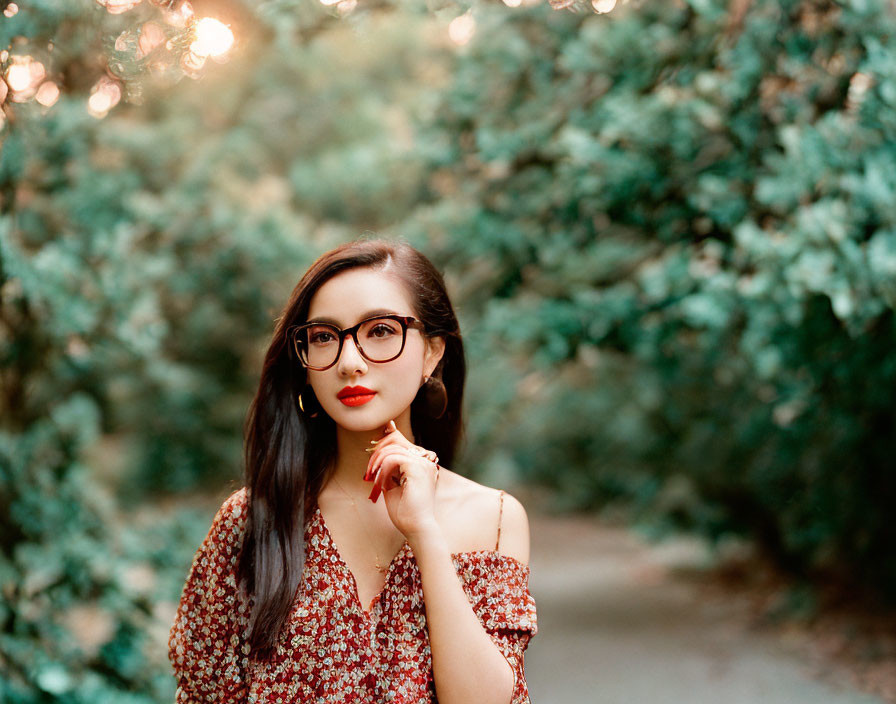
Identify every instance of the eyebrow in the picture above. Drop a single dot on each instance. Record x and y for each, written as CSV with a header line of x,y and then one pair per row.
x,y
364,316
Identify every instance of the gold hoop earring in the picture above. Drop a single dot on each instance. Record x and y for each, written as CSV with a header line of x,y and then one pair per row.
x,y
302,408
435,396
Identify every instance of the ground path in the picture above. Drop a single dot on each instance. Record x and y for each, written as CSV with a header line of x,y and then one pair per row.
x,y
619,625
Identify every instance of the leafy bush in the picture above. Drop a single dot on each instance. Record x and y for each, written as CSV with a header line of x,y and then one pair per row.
x,y
668,232
676,224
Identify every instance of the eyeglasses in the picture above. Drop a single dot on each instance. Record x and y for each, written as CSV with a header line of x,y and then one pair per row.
x,y
379,339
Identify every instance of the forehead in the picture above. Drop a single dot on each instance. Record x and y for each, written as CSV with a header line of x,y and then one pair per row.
x,y
350,295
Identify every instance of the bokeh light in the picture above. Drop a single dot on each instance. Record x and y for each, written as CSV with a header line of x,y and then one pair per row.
x,y
116,7
213,38
603,6
151,36
462,28
513,3
104,96
23,76
18,77
122,41
179,15
11,9
47,94
859,85
192,62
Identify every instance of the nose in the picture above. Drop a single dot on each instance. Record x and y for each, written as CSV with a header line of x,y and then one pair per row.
x,y
350,359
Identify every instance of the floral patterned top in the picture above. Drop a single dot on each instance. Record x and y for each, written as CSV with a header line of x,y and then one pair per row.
x,y
330,649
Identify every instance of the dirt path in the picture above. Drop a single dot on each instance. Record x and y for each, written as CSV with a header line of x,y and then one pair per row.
x,y
617,625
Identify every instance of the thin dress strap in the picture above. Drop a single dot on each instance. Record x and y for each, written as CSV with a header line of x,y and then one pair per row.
x,y
500,514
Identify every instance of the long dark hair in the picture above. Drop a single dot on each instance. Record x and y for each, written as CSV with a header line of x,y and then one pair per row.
x,y
287,453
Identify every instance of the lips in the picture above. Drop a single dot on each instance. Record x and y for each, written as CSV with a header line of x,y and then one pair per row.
x,y
355,395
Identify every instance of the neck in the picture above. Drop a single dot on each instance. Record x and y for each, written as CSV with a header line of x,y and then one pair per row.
x,y
352,457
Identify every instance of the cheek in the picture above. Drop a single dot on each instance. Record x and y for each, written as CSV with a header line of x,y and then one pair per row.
x,y
320,384
398,381
410,369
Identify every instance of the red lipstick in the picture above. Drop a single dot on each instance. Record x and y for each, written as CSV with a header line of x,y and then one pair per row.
x,y
355,395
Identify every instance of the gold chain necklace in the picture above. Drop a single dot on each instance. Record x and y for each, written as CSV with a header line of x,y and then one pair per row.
x,y
379,567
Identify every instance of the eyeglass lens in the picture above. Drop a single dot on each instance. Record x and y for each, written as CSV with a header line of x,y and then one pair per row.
x,y
380,340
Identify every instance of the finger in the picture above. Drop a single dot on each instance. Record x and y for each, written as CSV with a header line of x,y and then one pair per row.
x,y
376,453
387,475
400,466
375,478
389,430
376,457
389,464
391,440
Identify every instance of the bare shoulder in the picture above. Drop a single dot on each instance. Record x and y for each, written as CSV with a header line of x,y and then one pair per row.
x,y
470,513
515,529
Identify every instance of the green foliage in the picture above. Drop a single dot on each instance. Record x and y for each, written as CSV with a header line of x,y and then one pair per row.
x,y
60,569
669,233
683,220
143,258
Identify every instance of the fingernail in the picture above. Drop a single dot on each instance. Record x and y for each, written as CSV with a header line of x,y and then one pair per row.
x,y
369,449
374,442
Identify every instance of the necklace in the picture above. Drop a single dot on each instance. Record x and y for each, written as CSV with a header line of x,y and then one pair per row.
x,y
381,568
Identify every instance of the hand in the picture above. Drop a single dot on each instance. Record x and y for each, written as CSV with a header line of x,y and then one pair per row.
x,y
407,481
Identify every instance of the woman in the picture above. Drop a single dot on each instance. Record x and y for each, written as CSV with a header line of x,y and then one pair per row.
x,y
293,597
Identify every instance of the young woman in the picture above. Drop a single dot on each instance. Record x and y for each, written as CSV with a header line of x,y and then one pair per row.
x,y
308,587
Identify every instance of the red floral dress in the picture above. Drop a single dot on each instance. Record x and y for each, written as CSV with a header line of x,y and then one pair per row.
x,y
331,650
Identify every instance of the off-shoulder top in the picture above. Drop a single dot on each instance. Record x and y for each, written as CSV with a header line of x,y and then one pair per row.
x,y
330,649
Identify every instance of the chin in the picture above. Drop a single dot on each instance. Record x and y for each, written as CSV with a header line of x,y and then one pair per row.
x,y
359,426
356,419
364,419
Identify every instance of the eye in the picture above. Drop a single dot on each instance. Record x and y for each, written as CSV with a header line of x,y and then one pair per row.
x,y
320,337
381,330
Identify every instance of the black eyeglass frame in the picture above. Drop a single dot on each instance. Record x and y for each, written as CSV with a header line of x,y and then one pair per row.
x,y
406,321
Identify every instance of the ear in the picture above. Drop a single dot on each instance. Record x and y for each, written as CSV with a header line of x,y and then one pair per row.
x,y
435,348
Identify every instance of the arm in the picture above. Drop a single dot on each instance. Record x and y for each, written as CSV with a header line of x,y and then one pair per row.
x,y
480,615
468,665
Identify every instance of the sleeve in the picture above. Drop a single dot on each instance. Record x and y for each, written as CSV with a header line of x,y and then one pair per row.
x,y
207,645
498,589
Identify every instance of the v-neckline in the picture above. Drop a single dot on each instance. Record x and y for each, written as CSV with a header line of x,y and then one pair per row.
x,y
355,593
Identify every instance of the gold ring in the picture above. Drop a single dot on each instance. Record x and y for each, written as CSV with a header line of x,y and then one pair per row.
x,y
428,454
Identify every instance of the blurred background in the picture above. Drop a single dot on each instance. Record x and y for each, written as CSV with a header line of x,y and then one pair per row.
x,y
669,231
